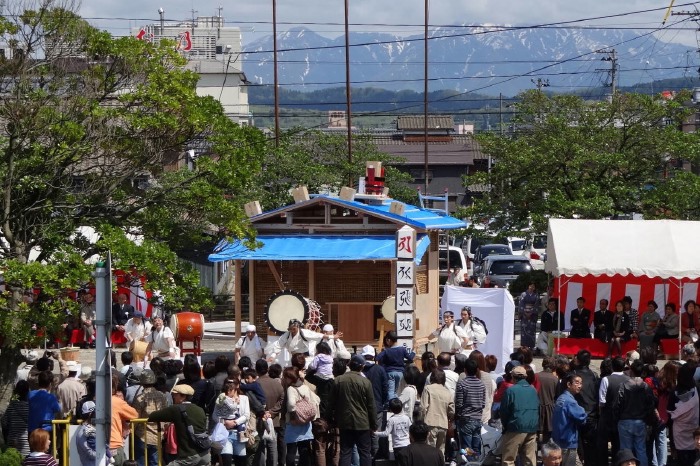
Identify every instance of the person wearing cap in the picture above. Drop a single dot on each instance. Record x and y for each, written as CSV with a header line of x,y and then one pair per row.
x,y
295,340
86,437
334,342
250,344
625,457
87,318
187,452
520,418
353,408
70,390
161,340
450,337
146,401
136,329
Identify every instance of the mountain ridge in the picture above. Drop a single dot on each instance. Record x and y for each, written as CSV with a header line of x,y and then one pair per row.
x,y
467,58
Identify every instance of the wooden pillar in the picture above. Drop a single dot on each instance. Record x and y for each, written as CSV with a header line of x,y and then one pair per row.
x,y
238,282
312,280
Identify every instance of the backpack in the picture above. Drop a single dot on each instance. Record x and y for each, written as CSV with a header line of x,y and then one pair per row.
x,y
201,441
304,410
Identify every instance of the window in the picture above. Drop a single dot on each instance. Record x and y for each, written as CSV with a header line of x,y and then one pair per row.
x,y
539,242
509,267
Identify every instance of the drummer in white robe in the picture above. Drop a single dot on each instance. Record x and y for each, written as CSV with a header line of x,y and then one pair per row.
x,y
250,345
474,331
161,340
333,340
450,336
294,340
136,329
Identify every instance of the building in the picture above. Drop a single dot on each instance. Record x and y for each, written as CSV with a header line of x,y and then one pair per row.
x,y
213,51
450,156
342,254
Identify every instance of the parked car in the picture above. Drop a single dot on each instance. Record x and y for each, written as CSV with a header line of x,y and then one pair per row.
x,y
451,258
471,244
503,270
536,251
487,250
518,245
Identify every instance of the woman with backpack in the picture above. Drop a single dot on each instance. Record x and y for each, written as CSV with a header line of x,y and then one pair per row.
x,y
300,407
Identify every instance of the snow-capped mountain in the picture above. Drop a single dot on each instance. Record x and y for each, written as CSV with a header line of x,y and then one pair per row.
x,y
478,58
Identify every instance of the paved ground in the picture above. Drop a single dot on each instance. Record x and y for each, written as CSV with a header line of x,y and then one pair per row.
x,y
86,357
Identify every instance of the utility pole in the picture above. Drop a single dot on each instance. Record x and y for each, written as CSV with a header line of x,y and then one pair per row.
x,y
425,100
161,12
348,90
276,77
194,12
610,56
500,112
540,83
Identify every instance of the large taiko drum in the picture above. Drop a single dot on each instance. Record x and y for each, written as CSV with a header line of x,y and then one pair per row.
x,y
138,350
187,326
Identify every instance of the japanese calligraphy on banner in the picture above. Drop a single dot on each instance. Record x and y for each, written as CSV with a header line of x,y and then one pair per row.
x,y
405,322
404,319
406,243
405,298
405,273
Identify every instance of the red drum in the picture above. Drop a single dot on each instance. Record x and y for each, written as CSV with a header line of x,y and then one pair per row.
x,y
187,326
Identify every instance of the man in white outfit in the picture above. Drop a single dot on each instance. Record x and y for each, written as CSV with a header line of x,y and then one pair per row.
x,y
450,336
250,345
334,341
294,340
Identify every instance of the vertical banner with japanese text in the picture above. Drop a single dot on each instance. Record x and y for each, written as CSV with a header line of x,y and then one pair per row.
x,y
405,285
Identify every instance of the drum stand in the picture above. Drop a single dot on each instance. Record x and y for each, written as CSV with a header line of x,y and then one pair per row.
x,y
196,346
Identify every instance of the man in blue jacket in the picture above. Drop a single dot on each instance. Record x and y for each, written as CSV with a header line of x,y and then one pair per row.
x,y
520,415
567,418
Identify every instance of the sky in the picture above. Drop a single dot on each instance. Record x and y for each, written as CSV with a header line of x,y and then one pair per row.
x,y
403,18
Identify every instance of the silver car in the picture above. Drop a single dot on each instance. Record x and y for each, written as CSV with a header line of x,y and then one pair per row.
x,y
503,270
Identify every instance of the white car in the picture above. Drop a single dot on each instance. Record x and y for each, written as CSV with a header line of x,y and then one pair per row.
x,y
536,251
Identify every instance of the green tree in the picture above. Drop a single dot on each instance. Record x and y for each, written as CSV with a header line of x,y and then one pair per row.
x,y
319,160
94,134
573,158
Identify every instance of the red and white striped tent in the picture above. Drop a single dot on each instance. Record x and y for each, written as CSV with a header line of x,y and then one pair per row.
x,y
643,259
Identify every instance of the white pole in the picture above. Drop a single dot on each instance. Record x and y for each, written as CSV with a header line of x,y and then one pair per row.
x,y
103,381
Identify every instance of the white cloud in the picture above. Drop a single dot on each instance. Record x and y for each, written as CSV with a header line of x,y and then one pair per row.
x,y
402,18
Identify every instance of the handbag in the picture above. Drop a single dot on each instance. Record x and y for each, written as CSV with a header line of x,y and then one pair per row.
x,y
170,439
304,410
219,435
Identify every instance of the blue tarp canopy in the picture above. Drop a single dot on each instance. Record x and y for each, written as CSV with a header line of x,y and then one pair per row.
x,y
316,247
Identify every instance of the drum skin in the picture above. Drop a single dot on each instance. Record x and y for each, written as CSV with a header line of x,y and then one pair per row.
x,y
187,326
283,306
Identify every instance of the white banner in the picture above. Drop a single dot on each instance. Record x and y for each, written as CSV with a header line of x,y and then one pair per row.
x,y
492,305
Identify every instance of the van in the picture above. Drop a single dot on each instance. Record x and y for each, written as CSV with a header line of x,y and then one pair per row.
x,y
451,258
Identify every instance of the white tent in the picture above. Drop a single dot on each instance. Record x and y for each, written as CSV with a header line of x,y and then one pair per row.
x,y
653,248
663,249
495,307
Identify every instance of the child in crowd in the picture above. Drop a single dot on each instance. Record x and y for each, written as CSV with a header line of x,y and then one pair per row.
x,y
397,426
323,361
394,358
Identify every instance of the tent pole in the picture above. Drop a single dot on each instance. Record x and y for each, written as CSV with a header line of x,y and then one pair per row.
x,y
680,334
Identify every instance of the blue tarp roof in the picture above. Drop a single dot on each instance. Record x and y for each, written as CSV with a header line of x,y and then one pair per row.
x,y
413,216
316,247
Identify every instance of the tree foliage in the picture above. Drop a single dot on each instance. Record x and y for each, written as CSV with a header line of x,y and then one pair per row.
x,y
572,158
93,132
320,161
